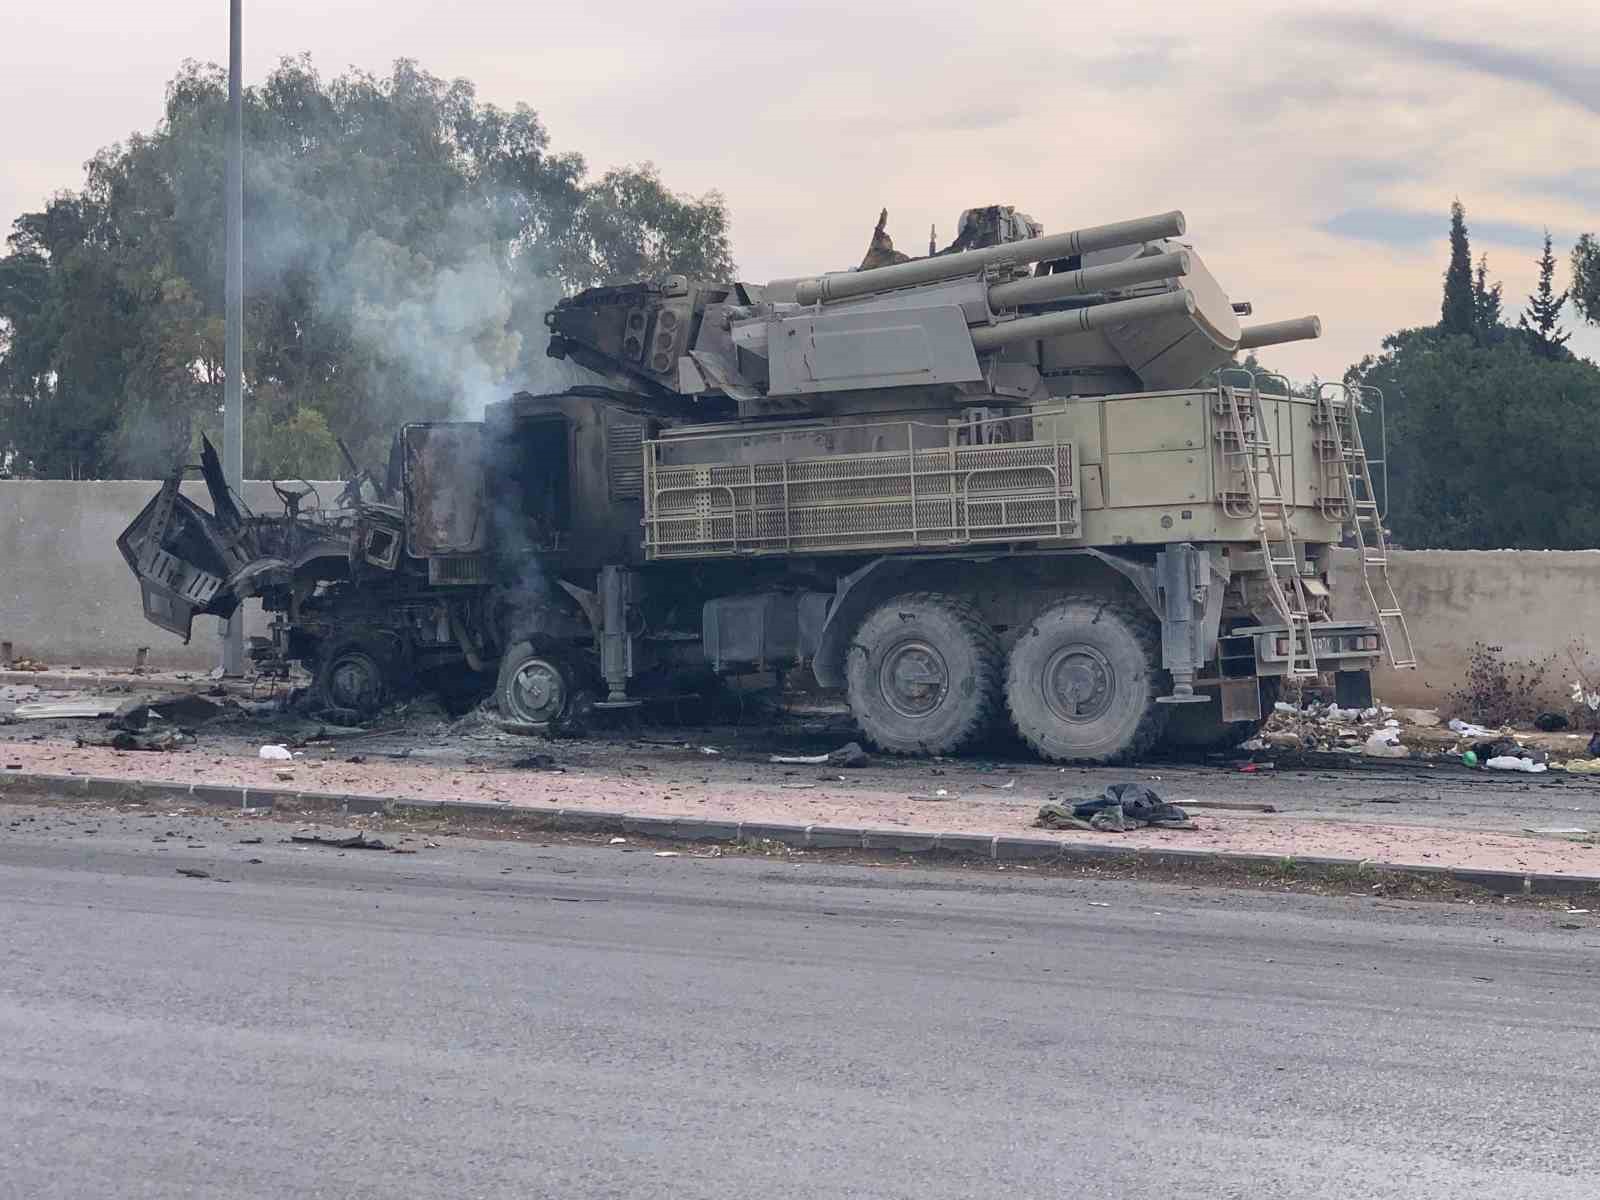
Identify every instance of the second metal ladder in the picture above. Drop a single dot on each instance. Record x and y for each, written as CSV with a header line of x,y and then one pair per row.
x,y
1348,496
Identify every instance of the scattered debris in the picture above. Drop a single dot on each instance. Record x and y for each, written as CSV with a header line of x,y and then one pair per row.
x,y
1466,729
999,787
358,841
194,872
618,841
1422,718
1506,762
1120,808
1554,829
51,710
1385,743
276,754
849,755
1550,722
668,854
184,709
1232,805
173,739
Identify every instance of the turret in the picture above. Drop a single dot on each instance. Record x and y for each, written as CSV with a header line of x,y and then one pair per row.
x,y
1106,308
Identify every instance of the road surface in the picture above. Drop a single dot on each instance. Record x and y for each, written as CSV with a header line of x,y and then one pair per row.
x,y
492,1019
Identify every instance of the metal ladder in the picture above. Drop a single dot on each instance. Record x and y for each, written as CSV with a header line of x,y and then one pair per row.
x,y
1248,451
1345,468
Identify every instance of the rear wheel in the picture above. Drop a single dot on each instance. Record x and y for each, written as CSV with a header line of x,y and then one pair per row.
x,y
1082,682
923,675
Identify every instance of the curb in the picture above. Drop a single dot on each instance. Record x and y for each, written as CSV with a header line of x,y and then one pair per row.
x,y
997,848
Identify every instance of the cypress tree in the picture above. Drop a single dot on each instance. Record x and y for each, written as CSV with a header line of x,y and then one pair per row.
x,y
1458,313
1544,307
1485,304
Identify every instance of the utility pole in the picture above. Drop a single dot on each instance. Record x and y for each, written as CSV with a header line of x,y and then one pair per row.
x,y
233,345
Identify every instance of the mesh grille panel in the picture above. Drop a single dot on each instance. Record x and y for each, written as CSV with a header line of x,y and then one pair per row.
x,y
929,497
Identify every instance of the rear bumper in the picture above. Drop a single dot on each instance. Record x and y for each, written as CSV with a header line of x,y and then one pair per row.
x,y
1338,646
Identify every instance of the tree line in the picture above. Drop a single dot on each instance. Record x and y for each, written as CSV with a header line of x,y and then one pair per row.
x,y
403,239
1493,425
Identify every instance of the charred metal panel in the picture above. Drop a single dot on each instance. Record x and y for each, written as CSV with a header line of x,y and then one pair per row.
x,y
625,458
442,477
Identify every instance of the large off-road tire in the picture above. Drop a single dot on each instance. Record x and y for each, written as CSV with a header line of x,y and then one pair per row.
x,y
923,675
538,689
1201,727
1082,682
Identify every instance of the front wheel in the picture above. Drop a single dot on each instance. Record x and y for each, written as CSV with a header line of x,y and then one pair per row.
x,y
355,678
538,687
923,676
1082,682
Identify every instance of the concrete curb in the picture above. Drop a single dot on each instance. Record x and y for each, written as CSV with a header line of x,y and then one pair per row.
x,y
997,848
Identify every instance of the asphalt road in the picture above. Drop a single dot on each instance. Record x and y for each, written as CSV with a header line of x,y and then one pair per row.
x,y
491,1019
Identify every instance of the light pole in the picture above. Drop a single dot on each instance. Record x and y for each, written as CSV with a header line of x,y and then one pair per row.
x,y
233,302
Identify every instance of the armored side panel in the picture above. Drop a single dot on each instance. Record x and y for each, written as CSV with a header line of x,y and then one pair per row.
x,y
1152,470
848,351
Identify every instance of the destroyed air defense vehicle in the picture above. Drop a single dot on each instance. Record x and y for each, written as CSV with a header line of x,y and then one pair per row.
x,y
1017,480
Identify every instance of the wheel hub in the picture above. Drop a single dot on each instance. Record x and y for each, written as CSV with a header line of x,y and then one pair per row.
x,y
538,691
355,682
1079,683
914,678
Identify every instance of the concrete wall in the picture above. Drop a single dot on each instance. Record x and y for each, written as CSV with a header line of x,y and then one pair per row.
x,y
1533,603
67,597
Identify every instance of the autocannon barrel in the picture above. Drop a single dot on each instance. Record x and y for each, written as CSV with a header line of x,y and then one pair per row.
x,y
1081,320
1044,288
949,266
1273,332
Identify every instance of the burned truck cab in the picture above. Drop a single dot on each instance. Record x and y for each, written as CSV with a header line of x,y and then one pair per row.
x,y
565,477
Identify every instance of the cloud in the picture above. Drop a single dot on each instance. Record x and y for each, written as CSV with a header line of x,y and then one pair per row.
x,y
1402,227
1581,185
1568,79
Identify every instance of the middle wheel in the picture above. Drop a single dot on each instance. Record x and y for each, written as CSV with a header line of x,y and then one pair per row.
x,y
924,675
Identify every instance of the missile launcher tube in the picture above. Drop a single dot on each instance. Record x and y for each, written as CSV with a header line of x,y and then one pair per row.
x,y
1081,320
949,266
1044,288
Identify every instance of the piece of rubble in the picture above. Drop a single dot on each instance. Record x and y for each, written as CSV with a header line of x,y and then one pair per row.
x,y
849,755
184,709
276,754
50,710
359,841
1422,718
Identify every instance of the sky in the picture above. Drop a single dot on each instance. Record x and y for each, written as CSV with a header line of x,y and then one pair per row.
x,y
1314,147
